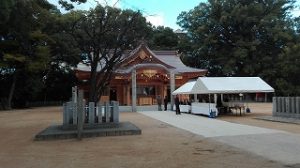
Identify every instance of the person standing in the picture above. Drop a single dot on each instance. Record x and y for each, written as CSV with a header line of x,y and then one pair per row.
x,y
177,105
166,103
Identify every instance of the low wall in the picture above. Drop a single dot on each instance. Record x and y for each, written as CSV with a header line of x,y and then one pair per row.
x,y
286,107
92,114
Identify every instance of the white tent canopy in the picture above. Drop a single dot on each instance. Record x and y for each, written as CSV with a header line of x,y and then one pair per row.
x,y
224,85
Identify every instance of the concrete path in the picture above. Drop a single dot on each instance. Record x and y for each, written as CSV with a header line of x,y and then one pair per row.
x,y
269,143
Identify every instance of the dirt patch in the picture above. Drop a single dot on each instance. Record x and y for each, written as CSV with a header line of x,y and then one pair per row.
x,y
160,145
258,110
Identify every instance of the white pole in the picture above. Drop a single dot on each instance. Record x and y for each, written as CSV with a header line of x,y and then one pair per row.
x,y
209,103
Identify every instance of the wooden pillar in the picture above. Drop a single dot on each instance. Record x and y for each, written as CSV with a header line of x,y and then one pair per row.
x,y
172,88
161,91
165,90
124,100
133,90
128,95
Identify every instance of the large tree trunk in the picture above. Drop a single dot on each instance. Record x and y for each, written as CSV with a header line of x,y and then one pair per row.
x,y
11,91
93,97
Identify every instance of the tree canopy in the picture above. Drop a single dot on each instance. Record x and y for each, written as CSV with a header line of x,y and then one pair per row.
x,y
39,46
163,38
23,46
243,38
103,34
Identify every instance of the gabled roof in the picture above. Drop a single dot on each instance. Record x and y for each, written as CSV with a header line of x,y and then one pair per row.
x,y
206,85
168,59
148,57
172,58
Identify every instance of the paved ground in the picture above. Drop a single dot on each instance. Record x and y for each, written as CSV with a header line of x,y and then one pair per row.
x,y
269,143
205,126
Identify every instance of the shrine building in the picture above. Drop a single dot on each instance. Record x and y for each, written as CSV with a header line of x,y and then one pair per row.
x,y
143,76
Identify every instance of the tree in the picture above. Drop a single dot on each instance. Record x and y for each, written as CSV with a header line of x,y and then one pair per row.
x,y
103,34
163,38
238,38
69,5
289,71
23,47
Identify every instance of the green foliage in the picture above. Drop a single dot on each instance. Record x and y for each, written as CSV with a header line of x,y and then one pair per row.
x,y
24,49
69,5
289,64
104,33
163,38
240,38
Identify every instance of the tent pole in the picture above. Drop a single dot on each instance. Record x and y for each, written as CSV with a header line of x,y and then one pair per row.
x,y
209,102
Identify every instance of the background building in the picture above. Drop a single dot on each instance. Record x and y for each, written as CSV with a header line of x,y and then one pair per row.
x,y
143,76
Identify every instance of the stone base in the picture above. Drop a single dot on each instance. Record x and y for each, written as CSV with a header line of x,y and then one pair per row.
x,y
105,129
279,119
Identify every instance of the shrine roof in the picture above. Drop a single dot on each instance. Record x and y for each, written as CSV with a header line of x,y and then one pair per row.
x,y
172,58
169,59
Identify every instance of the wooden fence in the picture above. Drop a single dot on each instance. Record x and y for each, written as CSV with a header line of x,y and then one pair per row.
x,y
286,107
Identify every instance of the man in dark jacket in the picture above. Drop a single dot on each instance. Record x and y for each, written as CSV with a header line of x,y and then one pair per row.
x,y
177,105
166,103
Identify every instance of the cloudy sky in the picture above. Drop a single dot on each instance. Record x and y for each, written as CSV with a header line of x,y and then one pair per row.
x,y
158,12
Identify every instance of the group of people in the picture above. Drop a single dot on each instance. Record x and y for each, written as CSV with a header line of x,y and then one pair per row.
x,y
177,102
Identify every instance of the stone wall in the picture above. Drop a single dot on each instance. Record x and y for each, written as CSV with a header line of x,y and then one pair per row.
x,y
286,107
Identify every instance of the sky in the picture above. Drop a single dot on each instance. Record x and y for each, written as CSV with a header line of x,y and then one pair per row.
x,y
158,12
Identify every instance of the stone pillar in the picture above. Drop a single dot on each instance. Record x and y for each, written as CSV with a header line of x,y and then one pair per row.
x,y
133,90
293,106
115,112
107,111
74,107
274,103
65,114
69,113
91,113
74,94
74,104
81,113
172,88
287,105
298,107
99,110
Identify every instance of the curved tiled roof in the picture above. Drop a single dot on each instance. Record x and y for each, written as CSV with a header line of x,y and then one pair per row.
x,y
169,59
